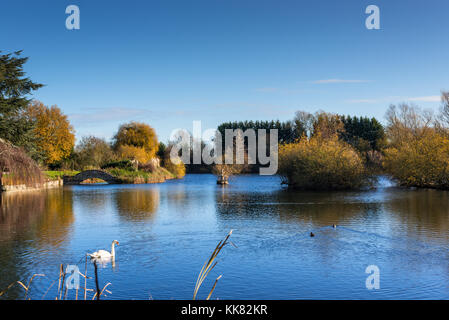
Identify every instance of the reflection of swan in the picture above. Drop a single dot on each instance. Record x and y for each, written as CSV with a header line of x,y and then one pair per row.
x,y
103,254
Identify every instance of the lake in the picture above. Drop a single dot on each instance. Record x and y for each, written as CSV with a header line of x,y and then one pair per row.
x,y
167,231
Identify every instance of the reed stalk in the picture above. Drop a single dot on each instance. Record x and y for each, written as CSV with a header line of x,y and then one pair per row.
x,y
96,281
209,265
27,288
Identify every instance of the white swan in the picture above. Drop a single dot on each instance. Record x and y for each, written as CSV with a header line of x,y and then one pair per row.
x,y
103,254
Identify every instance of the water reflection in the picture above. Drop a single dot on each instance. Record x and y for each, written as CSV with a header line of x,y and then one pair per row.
x,y
423,213
45,216
315,208
18,211
31,223
137,204
174,225
323,208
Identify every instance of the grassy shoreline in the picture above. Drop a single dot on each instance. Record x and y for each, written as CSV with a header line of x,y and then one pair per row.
x,y
55,175
139,177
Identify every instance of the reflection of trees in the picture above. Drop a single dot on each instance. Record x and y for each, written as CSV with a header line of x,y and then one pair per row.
x,y
137,204
323,208
93,200
177,198
422,213
317,208
426,210
55,223
230,204
44,214
19,210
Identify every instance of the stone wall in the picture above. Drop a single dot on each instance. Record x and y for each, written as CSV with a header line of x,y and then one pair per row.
x,y
22,187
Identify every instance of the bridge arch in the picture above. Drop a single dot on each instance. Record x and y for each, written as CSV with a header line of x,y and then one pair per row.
x,y
90,174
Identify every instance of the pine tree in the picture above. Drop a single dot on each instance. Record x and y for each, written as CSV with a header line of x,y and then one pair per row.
x,y
14,89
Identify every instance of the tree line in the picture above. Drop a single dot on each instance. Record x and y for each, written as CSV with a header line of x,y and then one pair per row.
x,y
319,150
45,134
331,151
366,135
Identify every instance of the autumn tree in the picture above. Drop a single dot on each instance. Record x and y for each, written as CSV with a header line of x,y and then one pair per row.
x,y
418,154
136,141
55,136
304,123
14,89
172,163
407,122
442,122
327,125
319,163
93,152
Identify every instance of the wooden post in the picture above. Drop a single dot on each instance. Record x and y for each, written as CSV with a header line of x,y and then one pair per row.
x,y
96,280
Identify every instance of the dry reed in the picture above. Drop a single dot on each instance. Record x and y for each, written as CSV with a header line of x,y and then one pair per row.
x,y
208,266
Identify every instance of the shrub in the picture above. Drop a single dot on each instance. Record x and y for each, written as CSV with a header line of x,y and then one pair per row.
x,y
420,162
128,152
319,163
124,164
147,167
418,155
177,169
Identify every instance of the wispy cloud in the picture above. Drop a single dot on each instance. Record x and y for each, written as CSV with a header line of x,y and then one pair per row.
x,y
327,81
397,99
120,114
426,99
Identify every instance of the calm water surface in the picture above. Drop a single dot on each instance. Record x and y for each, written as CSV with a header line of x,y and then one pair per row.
x,y
166,232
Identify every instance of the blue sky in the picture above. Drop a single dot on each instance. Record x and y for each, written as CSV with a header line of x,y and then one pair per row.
x,y
170,62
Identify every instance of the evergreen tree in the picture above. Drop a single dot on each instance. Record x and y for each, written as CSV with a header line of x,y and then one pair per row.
x,y
14,91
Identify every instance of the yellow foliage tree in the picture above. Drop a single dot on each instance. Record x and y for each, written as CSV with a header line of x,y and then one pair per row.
x,y
420,162
319,163
138,135
418,154
175,165
55,136
133,153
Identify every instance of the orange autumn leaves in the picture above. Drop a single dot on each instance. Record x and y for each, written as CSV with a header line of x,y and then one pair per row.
x,y
55,137
136,141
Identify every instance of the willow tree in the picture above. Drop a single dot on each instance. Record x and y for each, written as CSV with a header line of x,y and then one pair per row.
x,y
16,167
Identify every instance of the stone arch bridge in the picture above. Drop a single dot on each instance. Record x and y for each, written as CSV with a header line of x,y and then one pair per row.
x,y
90,174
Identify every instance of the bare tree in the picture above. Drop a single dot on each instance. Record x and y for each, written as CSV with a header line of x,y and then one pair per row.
x,y
304,123
408,122
442,122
